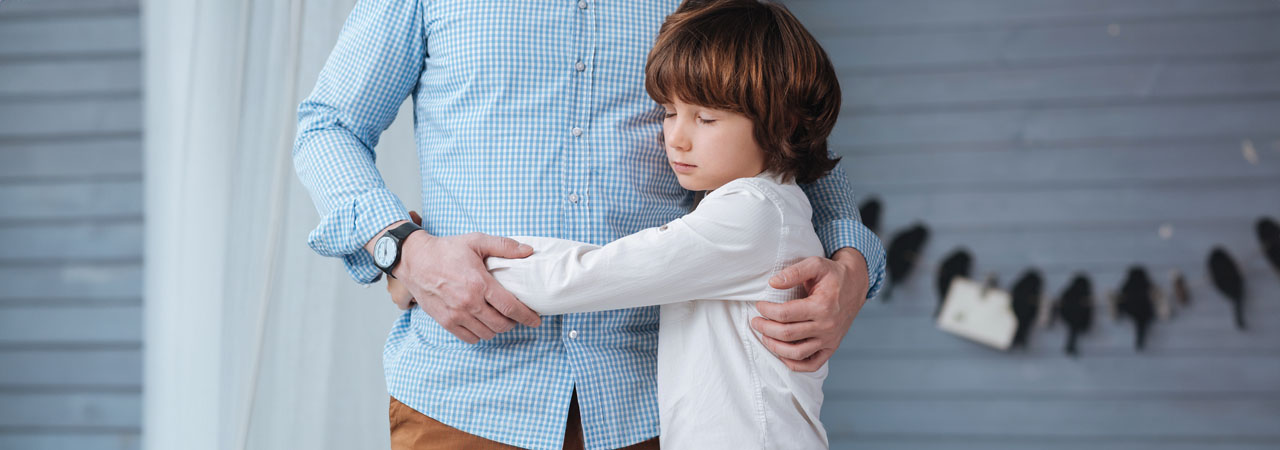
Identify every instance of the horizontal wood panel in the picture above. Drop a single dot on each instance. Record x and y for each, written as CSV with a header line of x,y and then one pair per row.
x,y
966,442
1032,86
76,241
1081,207
76,282
71,76
122,411
27,8
1022,168
1239,120
85,324
1121,418
72,116
68,159
44,440
71,200
1075,44
74,35
834,16
1040,377
71,369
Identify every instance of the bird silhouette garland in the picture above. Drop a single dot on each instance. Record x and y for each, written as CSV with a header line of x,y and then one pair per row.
x,y
1138,300
1075,308
1027,292
903,254
1226,277
959,264
1269,238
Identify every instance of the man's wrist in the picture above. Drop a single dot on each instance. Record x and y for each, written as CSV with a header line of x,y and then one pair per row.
x,y
373,242
855,262
411,242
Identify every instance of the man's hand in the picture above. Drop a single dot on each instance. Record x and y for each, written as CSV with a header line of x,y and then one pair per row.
x,y
447,278
804,333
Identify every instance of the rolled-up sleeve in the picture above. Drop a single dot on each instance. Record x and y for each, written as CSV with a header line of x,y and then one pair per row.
x,y
839,225
373,68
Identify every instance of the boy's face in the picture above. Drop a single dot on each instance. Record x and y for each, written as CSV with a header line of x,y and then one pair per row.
x,y
709,147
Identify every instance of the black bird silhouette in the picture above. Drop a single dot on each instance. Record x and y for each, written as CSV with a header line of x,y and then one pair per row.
x,y
1075,307
1137,302
1181,294
1026,304
1226,277
870,212
958,264
1269,237
903,254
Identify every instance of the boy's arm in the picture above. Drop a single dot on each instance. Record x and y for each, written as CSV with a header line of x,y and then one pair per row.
x,y
372,69
838,224
723,250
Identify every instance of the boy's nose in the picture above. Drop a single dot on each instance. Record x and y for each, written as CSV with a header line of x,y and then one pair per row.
x,y
676,138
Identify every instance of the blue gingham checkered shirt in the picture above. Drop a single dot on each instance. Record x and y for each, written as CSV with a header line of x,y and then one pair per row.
x,y
530,118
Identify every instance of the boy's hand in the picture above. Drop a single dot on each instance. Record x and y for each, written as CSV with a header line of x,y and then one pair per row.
x,y
804,333
400,295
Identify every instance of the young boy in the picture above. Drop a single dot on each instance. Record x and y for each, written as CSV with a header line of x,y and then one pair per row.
x,y
749,99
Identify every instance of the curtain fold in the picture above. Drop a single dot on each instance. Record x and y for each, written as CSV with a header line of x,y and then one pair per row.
x,y
252,340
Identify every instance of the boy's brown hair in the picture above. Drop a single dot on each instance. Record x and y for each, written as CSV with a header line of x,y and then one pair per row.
x,y
753,58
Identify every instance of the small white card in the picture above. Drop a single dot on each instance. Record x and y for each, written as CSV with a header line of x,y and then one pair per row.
x,y
983,314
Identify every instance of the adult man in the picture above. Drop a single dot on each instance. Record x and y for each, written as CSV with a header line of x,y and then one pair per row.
x,y
531,119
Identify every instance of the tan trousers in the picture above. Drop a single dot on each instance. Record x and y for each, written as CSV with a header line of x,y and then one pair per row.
x,y
412,430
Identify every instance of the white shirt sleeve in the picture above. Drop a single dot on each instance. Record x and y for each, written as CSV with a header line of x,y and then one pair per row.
x,y
726,249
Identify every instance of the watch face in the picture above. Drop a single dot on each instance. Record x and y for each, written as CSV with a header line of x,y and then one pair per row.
x,y
384,252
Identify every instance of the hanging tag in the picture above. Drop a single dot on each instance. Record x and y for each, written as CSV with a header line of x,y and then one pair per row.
x,y
980,313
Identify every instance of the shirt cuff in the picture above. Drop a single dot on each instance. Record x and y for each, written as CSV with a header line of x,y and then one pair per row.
x,y
839,234
345,230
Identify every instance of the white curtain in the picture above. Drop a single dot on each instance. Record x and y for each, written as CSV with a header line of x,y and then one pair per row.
x,y
252,340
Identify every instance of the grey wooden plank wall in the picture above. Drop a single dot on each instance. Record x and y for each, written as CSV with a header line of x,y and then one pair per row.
x,y
70,224
1062,134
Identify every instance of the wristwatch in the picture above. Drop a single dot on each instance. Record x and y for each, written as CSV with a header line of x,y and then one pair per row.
x,y
386,252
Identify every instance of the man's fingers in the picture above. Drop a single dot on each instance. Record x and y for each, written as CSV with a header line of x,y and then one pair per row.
x,y
792,350
413,215
798,273
785,332
800,310
457,329
507,305
501,247
492,319
477,328
812,363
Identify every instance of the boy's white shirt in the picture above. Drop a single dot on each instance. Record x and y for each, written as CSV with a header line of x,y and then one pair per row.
x,y
718,386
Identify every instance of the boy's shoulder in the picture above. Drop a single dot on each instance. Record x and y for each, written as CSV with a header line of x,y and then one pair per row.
x,y
761,192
